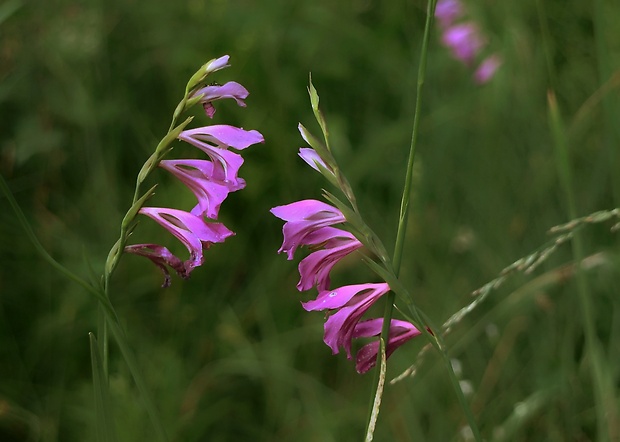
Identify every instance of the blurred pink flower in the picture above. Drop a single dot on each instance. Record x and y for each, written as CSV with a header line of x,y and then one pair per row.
x,y
487,69
464,41
447,11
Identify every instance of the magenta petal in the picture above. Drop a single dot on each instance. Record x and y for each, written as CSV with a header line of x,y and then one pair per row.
x,y
197,175
216,92
214,141
314,269
400,332
161,257
302,218
312,158
352,301
191,230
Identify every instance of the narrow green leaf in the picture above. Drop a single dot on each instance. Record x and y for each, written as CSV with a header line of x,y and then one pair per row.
x,y
135,208
106,431
314,101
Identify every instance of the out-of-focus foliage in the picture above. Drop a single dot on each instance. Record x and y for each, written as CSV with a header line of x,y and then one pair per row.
x,y
86,91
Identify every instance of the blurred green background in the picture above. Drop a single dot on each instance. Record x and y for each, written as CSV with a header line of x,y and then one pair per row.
x,y
87,90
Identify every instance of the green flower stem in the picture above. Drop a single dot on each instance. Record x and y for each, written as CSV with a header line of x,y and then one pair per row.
x,y
402,230
604,390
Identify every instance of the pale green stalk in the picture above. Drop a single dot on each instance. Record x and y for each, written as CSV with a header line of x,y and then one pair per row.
x,y
402,230
604,390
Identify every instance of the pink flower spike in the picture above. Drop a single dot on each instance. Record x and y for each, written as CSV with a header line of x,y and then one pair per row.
x,y
400,332
211,93
196,175
352,301
487,69
302,218
447,11
314,269
464,41
214,141
161,257
191,230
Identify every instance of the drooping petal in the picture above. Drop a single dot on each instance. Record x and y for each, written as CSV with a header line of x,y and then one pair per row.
x,y
352,301
214,141
400,332
464,41
211,93
191,230
314,269
302,218
162,258
197,176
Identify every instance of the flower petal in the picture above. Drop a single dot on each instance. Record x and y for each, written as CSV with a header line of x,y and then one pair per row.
x,y
197,175
352,301
211,93
302,218
400,332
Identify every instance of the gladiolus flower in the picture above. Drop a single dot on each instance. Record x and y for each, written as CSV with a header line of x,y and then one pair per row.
x,y
214,141
447,11
302,219
214,92
196,175
400,332
314,269
352,301
191,230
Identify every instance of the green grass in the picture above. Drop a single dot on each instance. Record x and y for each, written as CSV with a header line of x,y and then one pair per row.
x,y
87,90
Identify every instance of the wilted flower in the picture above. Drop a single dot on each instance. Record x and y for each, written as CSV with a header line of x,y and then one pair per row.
x,y
162,258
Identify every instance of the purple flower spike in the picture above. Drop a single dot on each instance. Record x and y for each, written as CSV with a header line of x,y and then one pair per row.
x,y
161,257
447,11
314,269
211,93
302,218
196,175
191,230
214,141
352,301
400,332
464,41
487,69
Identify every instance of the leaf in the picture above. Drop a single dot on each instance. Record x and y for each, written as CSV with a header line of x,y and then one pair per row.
x,y
106,431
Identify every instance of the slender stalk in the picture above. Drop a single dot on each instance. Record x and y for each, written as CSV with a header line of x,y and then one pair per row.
x,y
402,230
604,390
